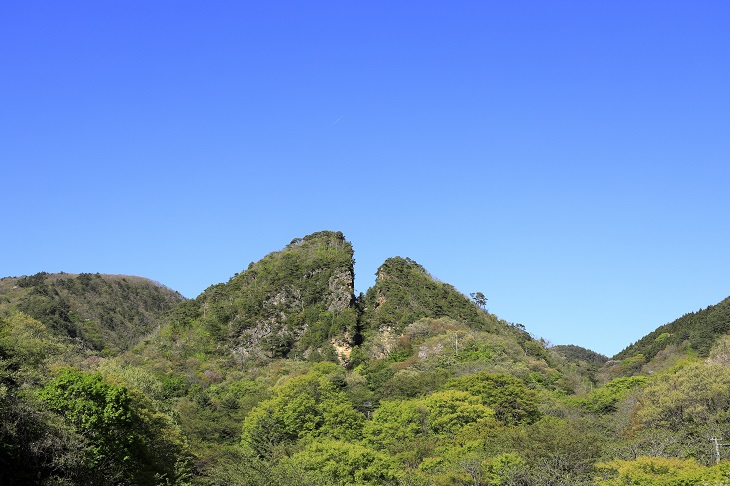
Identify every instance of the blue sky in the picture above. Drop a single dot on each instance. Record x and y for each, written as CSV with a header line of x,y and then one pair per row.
x,y
569,159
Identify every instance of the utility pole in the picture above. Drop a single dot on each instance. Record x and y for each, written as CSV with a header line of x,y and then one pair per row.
x,y
717,440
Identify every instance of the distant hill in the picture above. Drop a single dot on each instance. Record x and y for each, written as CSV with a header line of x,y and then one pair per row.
x,y
576,353
581,361
693,334
106,313
696,331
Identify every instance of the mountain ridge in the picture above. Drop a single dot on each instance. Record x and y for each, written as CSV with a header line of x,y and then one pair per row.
x,y
282,375
99,311
700,339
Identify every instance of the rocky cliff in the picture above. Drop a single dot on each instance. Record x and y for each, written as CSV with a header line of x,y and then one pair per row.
x,y
292,302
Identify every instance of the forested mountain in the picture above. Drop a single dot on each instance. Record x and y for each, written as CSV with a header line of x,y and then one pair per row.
x,y
696,331
693,334
66,417
293,302
104,313
579,354
581,361
283,376
405,292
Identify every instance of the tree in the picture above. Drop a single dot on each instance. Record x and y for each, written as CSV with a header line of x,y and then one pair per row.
x,y
342,463
557,451
513,403
127,441
696,396
450,410
479,299
396,424
661,471
306,406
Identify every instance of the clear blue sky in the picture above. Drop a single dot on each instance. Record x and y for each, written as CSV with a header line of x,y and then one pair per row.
x,y
570,159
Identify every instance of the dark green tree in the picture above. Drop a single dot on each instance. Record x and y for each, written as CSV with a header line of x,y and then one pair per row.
x,y
479,299
125,441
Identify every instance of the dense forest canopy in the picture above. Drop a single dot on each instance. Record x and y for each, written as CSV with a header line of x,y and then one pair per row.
x,y
283,376
696,330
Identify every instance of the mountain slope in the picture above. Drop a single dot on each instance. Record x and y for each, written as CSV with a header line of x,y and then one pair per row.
x,y
405,292
696,331
578,354
282,376
291,302
693,334
411,318
106,313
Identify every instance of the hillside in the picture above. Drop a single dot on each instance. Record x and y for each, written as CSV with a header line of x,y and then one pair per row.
x,y
696,331
584,364
63,420
293,302
693,334
102,313
283,376
404,292
579,354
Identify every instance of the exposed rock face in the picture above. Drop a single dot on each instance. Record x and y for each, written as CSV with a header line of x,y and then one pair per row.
x,y
341,291
295,301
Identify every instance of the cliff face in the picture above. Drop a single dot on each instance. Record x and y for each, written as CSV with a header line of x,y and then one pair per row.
x,y
291,302
299,302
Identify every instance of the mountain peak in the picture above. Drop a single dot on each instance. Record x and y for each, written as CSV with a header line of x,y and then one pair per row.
x,y
292,301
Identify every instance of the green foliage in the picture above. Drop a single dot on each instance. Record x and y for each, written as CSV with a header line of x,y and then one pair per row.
x,y
102,410
306,406
557,449
661,471
605,400
411,383
173,386
128,442
35,447
504,469
697,331
631,365
376,373
513,403
450,410
100,312
396,424
336,462
36,280
405,292
29,341
578,353
697,395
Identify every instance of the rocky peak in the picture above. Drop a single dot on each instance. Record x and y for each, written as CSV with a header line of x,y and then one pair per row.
x,y
292,301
